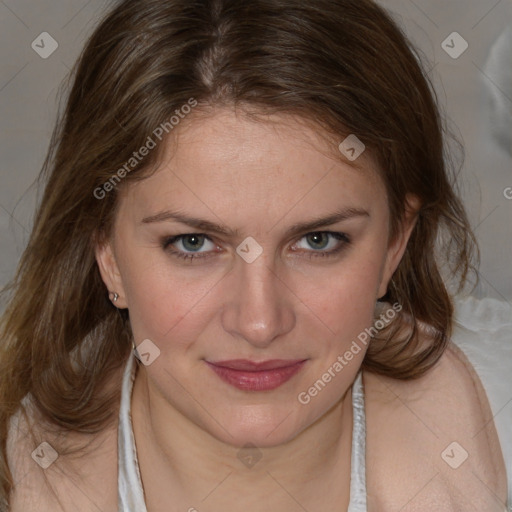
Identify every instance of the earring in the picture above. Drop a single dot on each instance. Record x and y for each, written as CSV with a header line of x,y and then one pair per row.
x,y
113,296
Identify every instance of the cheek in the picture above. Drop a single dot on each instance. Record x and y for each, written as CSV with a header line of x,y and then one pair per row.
x,y
164,302
345,300
167,302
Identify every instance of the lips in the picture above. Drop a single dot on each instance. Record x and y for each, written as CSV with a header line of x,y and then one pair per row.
x,y
252,366
256,376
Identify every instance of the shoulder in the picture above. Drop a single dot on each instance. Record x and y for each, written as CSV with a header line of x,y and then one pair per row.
x,y
432,441
44,480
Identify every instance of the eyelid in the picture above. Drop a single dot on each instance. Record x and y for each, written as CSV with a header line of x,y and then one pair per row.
x,y
343,239
337,235
343,242
169,240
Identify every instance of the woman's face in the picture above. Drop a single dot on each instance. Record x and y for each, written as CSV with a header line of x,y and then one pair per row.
x,y
248,279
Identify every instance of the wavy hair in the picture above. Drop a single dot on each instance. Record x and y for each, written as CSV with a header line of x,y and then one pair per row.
x,y
342,64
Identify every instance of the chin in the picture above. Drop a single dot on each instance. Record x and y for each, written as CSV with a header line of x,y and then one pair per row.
x,y
264,431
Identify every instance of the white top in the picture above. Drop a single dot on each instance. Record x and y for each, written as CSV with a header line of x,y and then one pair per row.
x,y
130,490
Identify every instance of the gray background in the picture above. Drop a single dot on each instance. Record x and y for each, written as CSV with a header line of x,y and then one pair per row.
x,y
475,91
466,85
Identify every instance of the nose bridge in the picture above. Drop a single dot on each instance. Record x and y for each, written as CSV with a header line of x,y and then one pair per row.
x,y
259,309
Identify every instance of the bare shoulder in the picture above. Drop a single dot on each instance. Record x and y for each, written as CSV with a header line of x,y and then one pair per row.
x,y
45,481
432,443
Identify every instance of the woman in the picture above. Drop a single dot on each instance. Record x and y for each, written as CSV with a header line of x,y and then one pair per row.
x,y
253,197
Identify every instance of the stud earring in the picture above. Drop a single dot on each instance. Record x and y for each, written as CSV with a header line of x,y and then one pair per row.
x,y
113,296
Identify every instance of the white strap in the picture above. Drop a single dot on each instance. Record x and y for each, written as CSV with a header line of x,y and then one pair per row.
x,y
131,494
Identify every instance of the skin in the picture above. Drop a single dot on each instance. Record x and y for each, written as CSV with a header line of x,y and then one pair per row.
x,y
259,178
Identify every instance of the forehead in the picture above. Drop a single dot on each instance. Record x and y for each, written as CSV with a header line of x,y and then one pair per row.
x,y
229,163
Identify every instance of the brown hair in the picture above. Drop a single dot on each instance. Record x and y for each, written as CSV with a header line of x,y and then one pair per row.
x,y
343,64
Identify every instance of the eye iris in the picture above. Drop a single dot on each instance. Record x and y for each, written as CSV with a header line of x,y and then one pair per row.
x,y
197,242
317,239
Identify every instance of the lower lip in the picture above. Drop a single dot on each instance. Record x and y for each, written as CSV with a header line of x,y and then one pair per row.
x,y
265,380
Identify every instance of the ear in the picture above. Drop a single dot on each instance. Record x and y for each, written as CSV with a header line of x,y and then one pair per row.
x,y
109,270
397,246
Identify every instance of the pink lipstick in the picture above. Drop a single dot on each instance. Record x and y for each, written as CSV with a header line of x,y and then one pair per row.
x,y
252,376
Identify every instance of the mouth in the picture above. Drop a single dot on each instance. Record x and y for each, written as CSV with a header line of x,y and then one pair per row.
x,y
256,376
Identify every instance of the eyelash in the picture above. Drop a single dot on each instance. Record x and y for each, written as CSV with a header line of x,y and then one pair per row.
x,y
341,237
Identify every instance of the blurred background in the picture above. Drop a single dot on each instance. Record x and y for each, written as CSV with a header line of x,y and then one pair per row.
x,y
465,44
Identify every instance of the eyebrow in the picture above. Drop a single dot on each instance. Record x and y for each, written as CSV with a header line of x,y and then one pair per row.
x,y
301,227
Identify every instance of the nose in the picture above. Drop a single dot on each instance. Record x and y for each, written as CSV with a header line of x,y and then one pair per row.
x,y
259,306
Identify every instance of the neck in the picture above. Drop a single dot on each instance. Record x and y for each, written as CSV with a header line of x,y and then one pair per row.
x,y
189,459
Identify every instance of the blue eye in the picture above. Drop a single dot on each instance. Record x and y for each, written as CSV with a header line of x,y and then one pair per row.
x,y
192,245
321,240
190,242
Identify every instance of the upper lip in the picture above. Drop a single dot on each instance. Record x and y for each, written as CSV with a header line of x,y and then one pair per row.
x,y
246,365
